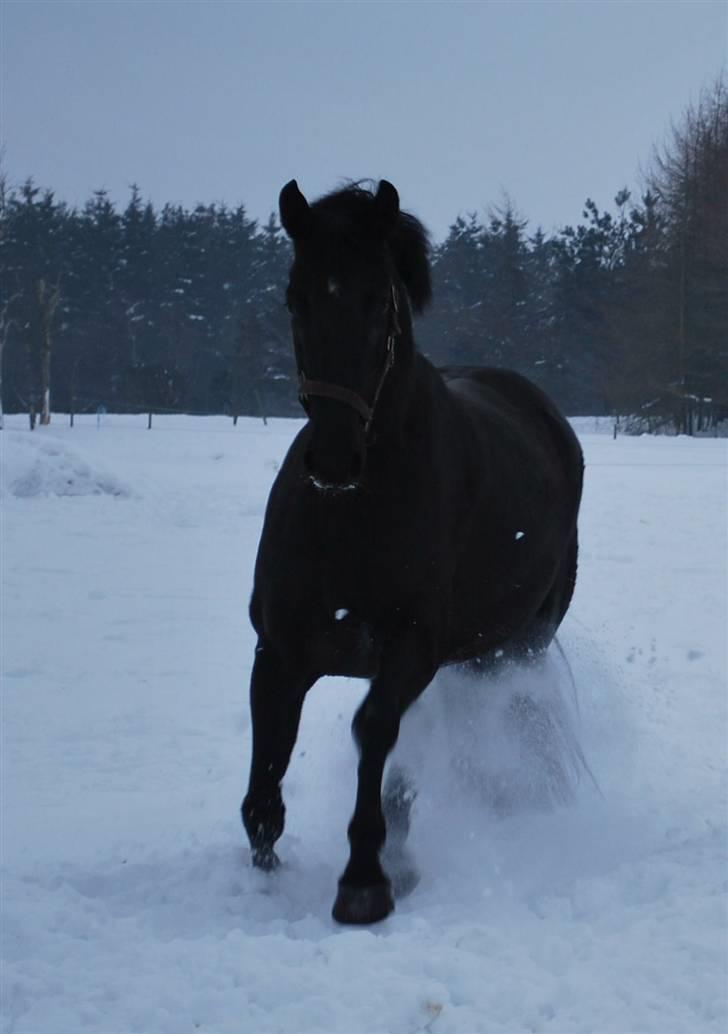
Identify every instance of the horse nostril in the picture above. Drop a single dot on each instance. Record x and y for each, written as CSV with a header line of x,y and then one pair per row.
x,y
333,463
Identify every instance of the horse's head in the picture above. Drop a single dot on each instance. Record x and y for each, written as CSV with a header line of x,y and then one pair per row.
x,y
358,260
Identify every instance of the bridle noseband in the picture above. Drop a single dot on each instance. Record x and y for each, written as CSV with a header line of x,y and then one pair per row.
x,y
324,389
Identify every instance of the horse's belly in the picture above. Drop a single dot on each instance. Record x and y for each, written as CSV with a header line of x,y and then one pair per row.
x,y
346,647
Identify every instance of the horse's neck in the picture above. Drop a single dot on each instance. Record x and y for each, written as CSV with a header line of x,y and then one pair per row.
x,y
398,392
413,397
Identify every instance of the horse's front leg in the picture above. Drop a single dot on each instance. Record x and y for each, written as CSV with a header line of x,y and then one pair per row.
x,y
407,667
276,699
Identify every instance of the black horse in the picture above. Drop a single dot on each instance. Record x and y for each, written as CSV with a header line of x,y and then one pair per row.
x,y
421,517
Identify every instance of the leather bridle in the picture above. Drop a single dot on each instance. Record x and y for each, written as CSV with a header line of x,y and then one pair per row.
x,y
324,389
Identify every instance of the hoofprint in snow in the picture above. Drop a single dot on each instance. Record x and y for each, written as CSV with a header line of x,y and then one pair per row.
x,y
129,903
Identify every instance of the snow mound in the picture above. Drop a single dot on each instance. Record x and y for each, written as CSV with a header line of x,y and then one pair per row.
x,y
46,467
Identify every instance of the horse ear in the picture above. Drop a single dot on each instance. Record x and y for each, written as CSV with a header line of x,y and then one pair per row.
x,y
386,206
294,210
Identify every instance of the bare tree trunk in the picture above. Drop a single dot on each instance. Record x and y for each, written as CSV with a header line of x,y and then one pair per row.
x,y
6,325
260,407
47,304
2,346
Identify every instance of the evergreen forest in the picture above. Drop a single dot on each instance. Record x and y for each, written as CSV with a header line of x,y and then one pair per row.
x,y
181,310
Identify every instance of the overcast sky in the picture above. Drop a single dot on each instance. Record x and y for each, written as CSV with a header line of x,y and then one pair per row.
x,y
454,102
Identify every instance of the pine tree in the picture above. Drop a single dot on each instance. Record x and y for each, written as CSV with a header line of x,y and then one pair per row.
x,y
689,177
32,261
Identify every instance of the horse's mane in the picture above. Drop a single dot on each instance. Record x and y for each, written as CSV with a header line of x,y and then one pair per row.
x,y
351,209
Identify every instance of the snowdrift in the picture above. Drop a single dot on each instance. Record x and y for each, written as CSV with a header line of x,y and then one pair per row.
x,y
37,466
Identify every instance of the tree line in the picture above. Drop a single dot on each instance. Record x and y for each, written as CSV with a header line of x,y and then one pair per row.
x,y
179,310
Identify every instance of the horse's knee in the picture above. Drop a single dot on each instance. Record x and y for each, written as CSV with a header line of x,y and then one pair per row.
x,y
375,723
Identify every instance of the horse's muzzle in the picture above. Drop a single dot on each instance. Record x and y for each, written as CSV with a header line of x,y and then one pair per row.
x,y
332,489
335,454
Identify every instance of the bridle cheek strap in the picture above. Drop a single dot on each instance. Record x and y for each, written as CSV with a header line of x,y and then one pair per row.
x,y
323,389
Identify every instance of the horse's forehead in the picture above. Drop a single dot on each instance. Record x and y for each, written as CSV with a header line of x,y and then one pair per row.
x,y
337,255
335,274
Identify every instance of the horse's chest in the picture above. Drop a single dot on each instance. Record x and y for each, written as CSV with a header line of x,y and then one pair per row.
x,y
331,609
351,572
332,575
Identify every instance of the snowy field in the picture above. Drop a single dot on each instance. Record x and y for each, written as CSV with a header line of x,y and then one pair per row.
x,y
129,903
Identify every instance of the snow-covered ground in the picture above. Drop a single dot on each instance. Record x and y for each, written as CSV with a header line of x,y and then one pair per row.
x,y
129,903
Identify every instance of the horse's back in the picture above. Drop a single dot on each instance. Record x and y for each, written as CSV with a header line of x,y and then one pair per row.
x,y
525,534
503,399
502,390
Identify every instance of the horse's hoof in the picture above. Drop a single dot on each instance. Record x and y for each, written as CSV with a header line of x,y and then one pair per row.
x,y
266,859
362,905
